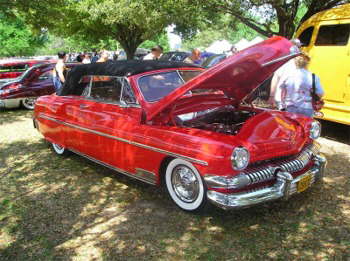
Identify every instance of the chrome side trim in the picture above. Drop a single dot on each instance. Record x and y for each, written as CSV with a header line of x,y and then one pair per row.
x,y
280,59
136,175
201,162
147,175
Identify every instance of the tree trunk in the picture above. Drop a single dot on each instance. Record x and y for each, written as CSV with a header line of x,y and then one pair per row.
x,y
130,51
130,38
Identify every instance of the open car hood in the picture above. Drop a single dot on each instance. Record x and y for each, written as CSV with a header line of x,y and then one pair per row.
x,y
237,76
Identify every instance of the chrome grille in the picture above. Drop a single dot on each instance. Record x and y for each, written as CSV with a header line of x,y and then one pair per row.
x,y
267,172
264,174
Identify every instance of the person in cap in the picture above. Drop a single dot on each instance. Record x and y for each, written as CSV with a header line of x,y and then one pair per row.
x,y
155,54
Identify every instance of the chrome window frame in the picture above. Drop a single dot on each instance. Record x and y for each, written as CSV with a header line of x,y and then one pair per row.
x,y
121,102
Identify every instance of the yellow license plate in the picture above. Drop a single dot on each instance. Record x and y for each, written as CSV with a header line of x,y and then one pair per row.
x,y
304,183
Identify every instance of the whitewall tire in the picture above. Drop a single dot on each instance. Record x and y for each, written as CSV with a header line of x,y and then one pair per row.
x,y
185,185
59,149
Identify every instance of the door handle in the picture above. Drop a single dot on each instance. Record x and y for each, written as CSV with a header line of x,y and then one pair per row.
x,y
83,106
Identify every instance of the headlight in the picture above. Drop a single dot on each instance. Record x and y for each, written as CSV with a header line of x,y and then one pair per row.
x,y
315,130
240,158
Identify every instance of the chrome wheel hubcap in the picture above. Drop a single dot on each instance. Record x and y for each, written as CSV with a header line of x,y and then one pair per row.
x,y
29,102
185,183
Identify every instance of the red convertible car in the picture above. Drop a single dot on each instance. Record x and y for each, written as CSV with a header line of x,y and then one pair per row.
x,y
25,89
189,129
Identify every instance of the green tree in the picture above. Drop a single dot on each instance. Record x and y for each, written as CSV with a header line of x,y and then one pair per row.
x,y
130,22
75,44
161,39
271,17
223,28
16,38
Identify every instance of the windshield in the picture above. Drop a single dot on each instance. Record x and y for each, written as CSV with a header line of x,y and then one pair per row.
x,y
156,86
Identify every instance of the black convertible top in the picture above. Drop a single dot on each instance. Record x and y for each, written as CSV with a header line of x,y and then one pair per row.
x,y
114,68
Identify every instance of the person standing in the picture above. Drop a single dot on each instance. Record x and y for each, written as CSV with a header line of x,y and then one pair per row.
x,y
103,57
58,71
194,58
155,54
94,57
278,76
297,86
86,59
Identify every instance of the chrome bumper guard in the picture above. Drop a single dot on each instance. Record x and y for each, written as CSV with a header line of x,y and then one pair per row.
x,y
284,187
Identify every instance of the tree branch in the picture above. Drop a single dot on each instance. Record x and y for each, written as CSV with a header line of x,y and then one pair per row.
x,y
249,22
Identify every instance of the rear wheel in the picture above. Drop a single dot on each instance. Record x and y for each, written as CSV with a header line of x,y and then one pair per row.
x,y
29,103
59,149
185,185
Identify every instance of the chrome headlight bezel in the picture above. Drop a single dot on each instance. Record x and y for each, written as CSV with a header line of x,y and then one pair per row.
x,y
315,130
240,158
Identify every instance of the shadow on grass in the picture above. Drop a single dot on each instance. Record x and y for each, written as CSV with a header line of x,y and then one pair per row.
x,y
336,131
68,207
8,116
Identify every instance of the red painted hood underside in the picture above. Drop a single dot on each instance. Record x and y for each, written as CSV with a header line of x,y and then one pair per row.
x,y
236,76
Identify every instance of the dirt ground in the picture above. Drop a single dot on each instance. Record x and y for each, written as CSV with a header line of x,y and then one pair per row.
x,y
54,208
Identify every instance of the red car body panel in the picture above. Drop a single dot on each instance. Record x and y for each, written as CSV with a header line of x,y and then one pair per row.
x,y
10,70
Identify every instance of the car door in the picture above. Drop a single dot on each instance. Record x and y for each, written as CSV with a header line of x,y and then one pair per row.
x,y
102,120
40,84
330,56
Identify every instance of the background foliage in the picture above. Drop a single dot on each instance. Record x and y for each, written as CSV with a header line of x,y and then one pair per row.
x,y
45,26
16,38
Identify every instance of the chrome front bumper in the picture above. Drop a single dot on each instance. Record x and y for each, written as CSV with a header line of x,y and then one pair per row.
x,y
284,187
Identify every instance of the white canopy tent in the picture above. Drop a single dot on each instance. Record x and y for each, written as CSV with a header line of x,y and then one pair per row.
x,y
219,47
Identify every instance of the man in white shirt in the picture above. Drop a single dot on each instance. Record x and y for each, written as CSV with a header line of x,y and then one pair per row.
x,y
278,77
155,54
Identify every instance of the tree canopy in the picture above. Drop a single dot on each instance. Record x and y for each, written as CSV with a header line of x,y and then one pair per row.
x,y
130,22
271,17
16,38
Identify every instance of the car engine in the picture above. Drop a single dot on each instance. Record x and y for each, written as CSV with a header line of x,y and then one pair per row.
x,y
225,120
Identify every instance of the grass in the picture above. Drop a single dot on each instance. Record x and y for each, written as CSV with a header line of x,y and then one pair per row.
x,y
68,208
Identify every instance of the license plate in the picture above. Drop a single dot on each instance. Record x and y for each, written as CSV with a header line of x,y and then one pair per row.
x,y
304,183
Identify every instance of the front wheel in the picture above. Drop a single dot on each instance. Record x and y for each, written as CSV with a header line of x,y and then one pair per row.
x,y
29,103
185,185
59,149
